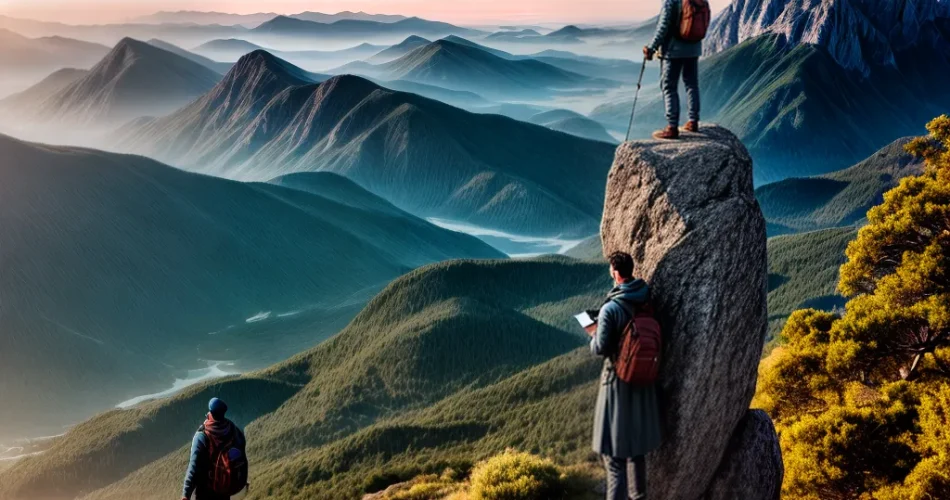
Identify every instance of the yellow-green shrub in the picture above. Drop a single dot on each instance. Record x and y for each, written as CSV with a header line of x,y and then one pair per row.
x,y
516,476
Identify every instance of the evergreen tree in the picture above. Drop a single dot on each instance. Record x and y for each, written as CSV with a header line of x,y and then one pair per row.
x,y
862,400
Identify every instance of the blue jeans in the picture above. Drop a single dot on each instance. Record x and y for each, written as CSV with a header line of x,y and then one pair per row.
x,y
618,486
669,84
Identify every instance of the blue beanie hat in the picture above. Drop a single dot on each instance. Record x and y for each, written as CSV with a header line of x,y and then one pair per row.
x,y
217,407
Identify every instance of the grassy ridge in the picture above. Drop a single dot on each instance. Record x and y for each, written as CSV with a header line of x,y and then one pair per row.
x,y
434,363
837,199
803,272
143,270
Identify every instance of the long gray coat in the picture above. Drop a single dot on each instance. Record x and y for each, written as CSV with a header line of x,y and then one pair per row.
x,y
627,417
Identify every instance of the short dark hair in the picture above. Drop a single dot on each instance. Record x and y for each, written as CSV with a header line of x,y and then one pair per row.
x,y
622,262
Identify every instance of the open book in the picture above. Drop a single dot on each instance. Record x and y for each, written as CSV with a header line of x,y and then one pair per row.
x,y
585,319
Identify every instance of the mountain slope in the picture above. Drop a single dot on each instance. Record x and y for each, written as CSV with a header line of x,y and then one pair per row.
x,y
217,67
233,49
859,35
464,67
339,16
573,123
803,272
400,49
24,61
197,17
120,273
23,53
266,120
837,199
777,96
430,365
348,28
135,79
23,102
234,45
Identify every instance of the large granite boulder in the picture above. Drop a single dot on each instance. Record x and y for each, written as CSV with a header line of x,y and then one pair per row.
x,y
686,212
753,466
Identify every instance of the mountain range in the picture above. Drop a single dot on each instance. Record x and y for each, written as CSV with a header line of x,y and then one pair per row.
x,y
110,34
398,50
348,15
859,35
267,118
217,67
46,53
776,95
443,366
837,199
292,26
466,66
144,271
252,20
233,49
134,79
572,123
620,70
24,61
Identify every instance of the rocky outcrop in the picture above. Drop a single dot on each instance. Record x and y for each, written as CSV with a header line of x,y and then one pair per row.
x,y
753,466
859,34
686,212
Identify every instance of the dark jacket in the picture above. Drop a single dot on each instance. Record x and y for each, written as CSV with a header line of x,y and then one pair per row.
x,y
626,417
196,477
665,41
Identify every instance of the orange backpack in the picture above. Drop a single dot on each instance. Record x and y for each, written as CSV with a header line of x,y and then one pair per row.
x,y
638,358
694,21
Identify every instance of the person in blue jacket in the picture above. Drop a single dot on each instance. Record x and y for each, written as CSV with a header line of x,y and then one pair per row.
x,y
216,430
626,417
679,57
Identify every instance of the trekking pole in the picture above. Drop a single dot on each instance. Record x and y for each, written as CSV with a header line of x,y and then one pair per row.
x,y
635,97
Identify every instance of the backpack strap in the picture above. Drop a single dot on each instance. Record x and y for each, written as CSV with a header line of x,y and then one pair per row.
x,y
626,308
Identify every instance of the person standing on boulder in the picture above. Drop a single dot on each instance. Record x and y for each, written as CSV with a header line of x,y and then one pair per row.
x,y
218,465
626,417
680,30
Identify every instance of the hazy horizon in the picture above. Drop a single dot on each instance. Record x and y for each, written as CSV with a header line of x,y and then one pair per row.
x,y
487,12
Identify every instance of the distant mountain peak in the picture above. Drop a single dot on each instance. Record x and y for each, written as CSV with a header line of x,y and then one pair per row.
x,y
567,30
859,34
261,60
7,35
349,85
414,39
128,43
343,80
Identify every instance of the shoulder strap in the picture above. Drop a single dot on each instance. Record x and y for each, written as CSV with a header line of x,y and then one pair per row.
x,y
626,308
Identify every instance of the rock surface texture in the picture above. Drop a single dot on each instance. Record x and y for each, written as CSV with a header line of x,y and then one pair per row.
x,y
752,464
686,212
859,34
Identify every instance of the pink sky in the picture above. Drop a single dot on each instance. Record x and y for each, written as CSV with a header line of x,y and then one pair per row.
x,y
457,11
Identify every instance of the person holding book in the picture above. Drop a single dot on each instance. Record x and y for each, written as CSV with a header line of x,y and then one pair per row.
x,y
626,416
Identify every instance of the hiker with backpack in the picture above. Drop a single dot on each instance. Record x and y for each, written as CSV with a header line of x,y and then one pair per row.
x,y
218,466
680,31
627,414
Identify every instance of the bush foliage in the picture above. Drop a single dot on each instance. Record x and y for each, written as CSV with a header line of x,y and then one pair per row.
x,y
862,399
516,476
511,475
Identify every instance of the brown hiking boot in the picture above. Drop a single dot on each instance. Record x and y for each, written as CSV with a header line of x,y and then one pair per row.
x,y
669,133
692,126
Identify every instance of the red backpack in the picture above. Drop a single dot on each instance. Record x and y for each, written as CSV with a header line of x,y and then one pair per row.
x,y
638,358
694,21
227,473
